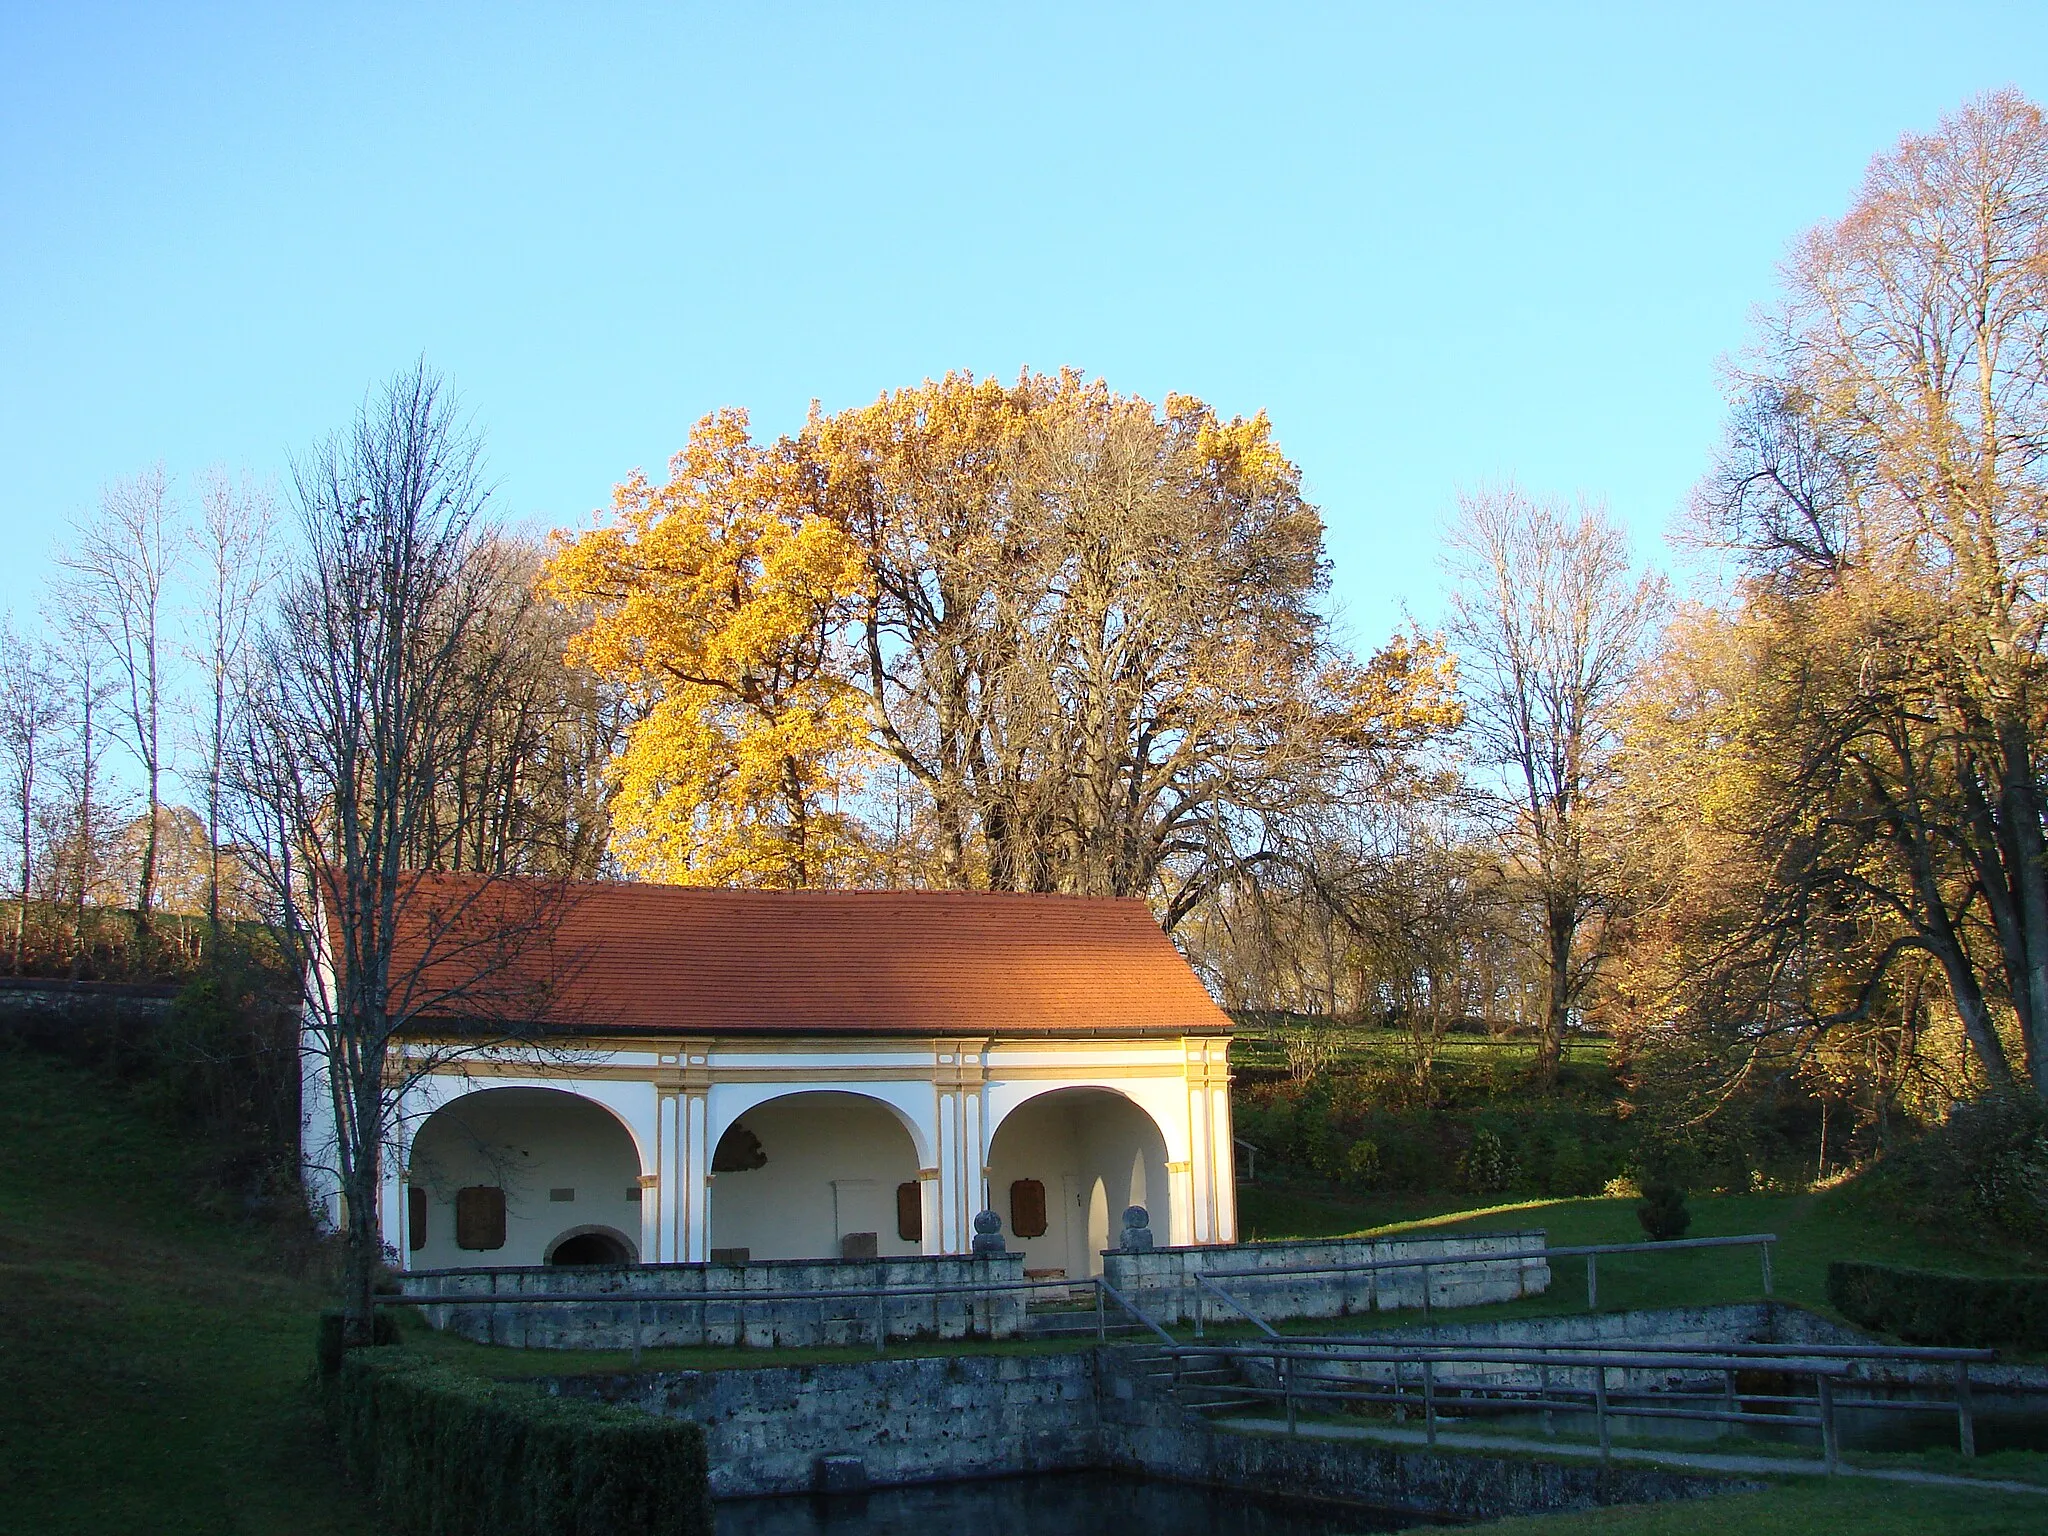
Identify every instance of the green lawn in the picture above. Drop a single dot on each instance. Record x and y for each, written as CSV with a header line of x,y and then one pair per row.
x,y
153,1360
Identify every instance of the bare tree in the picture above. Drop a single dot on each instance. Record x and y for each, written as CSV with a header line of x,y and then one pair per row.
x,y
235,541
31,714
1549,621
120,569
91,815
369,685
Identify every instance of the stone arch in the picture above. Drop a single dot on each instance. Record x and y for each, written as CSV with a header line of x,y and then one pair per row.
x,y
1092,1150
832,1162
559,1161
732,1103
567,1247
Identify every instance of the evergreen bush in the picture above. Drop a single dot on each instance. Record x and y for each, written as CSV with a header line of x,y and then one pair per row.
x,y
1927,1307
1486,1167
454,1455
1663,1212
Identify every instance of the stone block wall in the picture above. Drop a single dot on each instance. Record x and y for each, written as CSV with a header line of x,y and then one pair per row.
x,y
715,1309
931,1420
907,1421
1143,1431
1161,1280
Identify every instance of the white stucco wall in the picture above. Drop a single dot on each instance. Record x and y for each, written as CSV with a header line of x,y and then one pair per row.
x,y
531,1142
962,1118
834,1161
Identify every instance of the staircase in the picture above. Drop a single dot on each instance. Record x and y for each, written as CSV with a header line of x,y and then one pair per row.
x,y
1201,1383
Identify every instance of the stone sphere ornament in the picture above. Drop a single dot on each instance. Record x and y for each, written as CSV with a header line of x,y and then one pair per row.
x,y
988,1235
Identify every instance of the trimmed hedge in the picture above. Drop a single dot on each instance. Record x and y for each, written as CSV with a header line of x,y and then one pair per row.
x,y
446,1454
1926,1307
329,1350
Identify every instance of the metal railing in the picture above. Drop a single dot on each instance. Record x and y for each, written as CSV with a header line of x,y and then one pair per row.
x,y
988,1292
1306,1376
1591,1252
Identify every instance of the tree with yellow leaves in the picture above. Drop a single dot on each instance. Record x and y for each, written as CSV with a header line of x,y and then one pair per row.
x,y
720,599
1083,630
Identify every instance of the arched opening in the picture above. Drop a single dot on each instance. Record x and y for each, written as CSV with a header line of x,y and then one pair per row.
x,y
1061,1168
815,1176
509,1176
586,1246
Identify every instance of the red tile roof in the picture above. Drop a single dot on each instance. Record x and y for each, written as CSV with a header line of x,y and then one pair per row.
x,y
673,959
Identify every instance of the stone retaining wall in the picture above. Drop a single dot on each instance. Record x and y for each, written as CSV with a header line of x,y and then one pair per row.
x,y
1161,1281
907,1421
895,1422
724,1316
1143,1430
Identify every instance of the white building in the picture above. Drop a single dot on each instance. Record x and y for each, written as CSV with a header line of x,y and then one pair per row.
x,y
814,1074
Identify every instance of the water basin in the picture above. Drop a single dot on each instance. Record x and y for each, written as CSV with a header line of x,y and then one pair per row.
x,y
1052,1504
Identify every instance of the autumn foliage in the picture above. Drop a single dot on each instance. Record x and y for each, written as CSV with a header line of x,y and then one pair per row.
x,y
1037,636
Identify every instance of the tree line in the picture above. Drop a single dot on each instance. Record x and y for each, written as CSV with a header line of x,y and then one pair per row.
x,y
1044,636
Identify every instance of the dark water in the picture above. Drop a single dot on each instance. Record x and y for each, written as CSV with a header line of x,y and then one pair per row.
x,y
2005,1421
1052,1504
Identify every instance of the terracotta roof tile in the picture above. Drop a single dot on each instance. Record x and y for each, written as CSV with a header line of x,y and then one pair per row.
x,y
688,960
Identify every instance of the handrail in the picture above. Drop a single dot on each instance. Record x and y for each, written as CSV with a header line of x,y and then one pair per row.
x,y
836,1293
1103,1287
1589,1251
1827,1365
1628,1359
1473,1349
1441,1261
1202,1282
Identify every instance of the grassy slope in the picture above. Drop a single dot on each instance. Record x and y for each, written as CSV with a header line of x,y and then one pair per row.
x,y
1811,1230
153,1364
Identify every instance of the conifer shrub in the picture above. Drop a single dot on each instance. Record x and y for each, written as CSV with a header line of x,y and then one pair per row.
x,y
449,1454
1486,1167
1663,1211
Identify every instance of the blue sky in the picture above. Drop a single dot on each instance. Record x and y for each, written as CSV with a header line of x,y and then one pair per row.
x,y
1441,245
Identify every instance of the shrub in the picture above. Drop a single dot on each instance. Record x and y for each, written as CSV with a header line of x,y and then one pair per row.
x,y
1663,1212
1486,1168
1926,1307
456,1455
1362,1164
1986,1168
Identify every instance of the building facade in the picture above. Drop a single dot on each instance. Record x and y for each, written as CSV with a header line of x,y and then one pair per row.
x,y
738,1075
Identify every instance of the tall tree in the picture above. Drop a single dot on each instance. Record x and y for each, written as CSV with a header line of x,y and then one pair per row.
x,y
1549,621
720,599
31,714
92,812
370,685
120,568
235,541
1887,483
